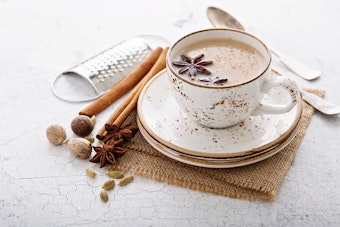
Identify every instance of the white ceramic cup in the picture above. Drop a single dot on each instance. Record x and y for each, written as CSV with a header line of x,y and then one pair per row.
x,y
224,106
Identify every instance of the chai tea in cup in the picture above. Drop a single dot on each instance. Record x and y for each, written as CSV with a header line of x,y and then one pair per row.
x,y
232,61
219,77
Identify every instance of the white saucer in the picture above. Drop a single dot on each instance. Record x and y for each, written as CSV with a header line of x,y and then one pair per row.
x,y
210,162
162,118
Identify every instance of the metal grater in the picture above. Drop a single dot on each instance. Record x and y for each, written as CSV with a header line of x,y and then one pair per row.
x,y
110,66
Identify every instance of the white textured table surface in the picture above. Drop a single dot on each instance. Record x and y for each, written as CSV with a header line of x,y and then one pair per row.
x,y
44,185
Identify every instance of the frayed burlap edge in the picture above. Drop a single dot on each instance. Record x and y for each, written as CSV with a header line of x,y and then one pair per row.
x,y
259,181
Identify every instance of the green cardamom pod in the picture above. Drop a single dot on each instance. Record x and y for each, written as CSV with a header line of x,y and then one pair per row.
x,y
126,180
108,185
91,173
115,174
104,196
90,139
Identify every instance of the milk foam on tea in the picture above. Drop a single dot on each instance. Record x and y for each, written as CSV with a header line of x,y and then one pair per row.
x,y
232,60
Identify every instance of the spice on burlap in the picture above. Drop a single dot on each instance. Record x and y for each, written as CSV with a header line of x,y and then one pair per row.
x,y
259,181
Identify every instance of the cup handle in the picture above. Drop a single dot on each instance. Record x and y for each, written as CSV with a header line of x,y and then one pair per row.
x,y
287,84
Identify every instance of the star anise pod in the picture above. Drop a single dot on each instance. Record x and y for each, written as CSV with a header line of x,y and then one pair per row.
x,y
214,81
108,153
192,65
116,133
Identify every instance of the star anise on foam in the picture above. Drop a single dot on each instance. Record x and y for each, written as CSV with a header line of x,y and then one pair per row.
x,y
116,133
192,65
214,81
108,153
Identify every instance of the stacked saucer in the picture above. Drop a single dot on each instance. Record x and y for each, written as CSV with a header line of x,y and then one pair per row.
x,y
172,133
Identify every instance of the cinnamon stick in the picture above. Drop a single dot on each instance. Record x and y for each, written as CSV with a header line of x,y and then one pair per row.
x,y
123,86
130,102
118,111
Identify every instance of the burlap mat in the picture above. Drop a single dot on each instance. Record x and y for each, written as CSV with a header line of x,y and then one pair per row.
x,y
259,181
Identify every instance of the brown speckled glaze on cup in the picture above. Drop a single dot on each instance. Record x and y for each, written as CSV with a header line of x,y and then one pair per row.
x,y
224,106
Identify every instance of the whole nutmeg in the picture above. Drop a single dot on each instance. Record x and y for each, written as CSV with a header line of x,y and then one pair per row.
x,y
56,134
79,147
82,125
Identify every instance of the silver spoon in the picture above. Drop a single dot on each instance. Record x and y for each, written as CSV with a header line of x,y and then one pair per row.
x,y
320,104
220,18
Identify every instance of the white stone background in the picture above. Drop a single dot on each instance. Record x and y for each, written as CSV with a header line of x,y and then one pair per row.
x,y
44,185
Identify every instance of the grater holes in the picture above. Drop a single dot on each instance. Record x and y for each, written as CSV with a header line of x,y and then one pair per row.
x,y
107,67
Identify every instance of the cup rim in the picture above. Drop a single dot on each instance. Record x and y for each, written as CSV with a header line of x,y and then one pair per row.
x,y
171,68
